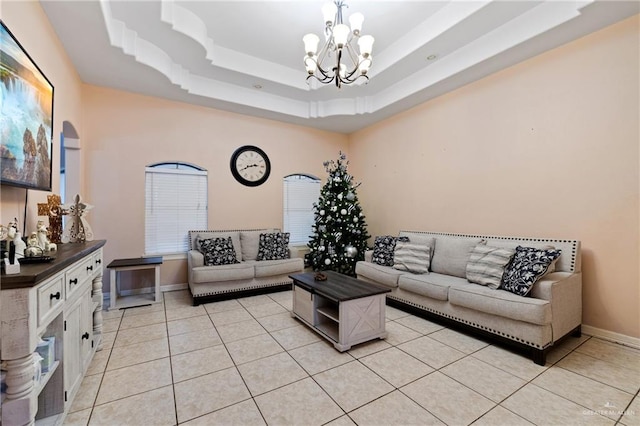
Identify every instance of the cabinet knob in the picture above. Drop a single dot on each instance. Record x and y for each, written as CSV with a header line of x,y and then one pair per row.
x,y
89,268
73,281
85,335
98,261
54,296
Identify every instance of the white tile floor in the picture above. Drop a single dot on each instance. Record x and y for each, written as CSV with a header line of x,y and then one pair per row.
x,y
247,361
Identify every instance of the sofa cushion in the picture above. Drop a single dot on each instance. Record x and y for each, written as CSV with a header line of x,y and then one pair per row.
x,y
412,257
526,267
269,268
217,251
451,255
237,271
273,246
435,286
486,265
250,241
384,275
501,303
201,235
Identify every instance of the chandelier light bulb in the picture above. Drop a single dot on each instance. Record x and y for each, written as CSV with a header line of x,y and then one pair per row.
x,y
341,35
311,44
365,43
355,20
310,64
343,70
364,64
329,11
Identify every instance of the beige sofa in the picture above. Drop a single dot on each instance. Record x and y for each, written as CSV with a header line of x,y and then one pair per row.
x,y
533,323
249,276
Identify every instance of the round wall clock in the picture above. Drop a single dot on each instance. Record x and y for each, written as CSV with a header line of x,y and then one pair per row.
x,y
250,165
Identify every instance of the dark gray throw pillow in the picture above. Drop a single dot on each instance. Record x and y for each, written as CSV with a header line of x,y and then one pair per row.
x,y
383,248
217,251
273,246
526,267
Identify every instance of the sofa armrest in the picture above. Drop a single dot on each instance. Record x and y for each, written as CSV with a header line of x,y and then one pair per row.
x,y
194,259
563,290
368,255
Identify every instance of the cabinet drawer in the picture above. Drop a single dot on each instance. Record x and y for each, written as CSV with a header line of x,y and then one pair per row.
x,y
77,275
50,299
303,304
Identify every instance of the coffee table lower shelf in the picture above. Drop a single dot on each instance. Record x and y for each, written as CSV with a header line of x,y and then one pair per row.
x,y
344,323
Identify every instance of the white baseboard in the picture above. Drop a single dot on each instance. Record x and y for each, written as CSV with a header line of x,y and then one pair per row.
x,y
147,290
611,336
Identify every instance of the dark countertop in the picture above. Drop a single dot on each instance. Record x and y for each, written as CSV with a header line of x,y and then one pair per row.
x,y
32,274
337,287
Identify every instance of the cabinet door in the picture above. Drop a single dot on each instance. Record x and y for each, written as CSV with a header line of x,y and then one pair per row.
x,y
86,329
72,361
303,304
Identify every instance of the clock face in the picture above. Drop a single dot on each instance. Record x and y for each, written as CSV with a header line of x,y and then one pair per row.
x,y
250,165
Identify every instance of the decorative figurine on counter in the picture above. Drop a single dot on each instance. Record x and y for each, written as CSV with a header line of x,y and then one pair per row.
x,y
78,229
14,235
43,240
33,248
54,210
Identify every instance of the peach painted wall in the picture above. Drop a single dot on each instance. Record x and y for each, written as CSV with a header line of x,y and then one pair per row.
x,y
546,148
29,24
125,132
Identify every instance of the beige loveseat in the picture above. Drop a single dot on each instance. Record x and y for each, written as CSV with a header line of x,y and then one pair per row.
x,y
533,323
248,276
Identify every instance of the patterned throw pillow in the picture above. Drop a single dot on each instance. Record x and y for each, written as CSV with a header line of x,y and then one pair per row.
x,y
383,248
487,264
526,267
218,251
411,257
273,246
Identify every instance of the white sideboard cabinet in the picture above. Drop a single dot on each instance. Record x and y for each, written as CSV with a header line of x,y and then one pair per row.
x,y
61,299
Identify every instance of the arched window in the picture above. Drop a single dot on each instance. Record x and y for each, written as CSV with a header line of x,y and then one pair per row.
x,y
175,203
300,193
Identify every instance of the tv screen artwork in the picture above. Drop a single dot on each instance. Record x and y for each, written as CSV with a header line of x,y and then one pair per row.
x,y
26,117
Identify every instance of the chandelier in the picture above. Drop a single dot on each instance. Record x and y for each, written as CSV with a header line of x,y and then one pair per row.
x,y
347,65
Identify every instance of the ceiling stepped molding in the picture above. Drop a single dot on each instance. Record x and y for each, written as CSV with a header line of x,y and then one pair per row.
x,y
186,22
538,20
240,56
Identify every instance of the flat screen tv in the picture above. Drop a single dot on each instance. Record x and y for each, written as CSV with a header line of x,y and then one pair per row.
x,y
26,117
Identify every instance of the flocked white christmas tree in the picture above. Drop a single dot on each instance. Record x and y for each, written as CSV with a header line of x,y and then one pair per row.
x,y
340,230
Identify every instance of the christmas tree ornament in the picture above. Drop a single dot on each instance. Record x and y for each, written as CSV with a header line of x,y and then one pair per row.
x,y
343,212
321,212
327,262
340,197
351,251
351,196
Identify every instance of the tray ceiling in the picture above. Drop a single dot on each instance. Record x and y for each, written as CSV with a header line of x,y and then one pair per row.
x,y
246,56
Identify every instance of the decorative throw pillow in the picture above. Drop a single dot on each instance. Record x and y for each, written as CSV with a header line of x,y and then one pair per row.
x,y
218,251
383,248
526,267
412,257
487,264
273,246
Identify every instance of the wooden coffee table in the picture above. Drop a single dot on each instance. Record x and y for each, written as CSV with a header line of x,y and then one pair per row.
x,y
344,310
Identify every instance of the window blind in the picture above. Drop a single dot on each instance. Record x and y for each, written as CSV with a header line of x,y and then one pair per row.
x,y
300,193
175,203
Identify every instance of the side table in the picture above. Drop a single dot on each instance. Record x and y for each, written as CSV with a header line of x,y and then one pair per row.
x,y
136,263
